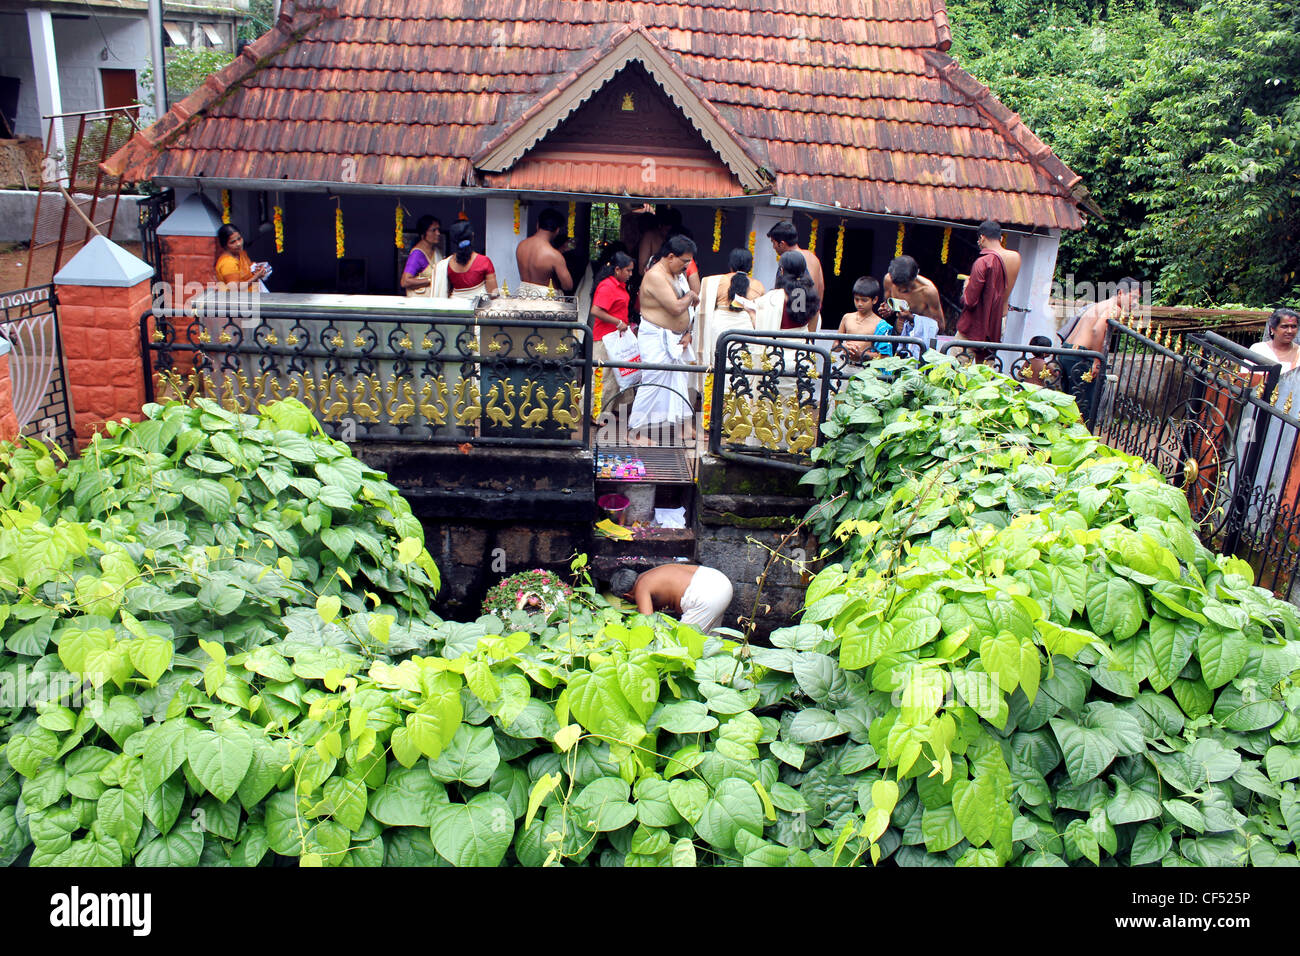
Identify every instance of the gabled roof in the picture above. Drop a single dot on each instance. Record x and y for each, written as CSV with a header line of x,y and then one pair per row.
x,y
833,102
630,44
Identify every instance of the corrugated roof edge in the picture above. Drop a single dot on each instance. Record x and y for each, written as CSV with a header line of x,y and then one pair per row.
x,y
1061,177
297,17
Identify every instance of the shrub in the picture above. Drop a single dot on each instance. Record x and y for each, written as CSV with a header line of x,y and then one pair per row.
x,y
1031,656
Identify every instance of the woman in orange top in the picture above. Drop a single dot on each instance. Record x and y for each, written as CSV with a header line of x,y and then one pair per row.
x,y
233,265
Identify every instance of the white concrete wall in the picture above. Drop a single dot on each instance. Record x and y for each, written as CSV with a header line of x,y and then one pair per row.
x,y
500,241
1033,288
764,254
78,45
18,209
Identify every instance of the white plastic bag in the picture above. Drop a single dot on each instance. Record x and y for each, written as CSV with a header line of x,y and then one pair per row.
x,y
622,347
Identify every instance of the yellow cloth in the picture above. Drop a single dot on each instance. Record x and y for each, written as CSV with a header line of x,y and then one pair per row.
x,y
611,530
232,269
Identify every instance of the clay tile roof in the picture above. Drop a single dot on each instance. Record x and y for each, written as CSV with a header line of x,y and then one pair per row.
x,y
849,102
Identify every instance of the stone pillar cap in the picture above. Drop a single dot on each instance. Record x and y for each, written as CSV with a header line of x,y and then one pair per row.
x,y
193,216
103,264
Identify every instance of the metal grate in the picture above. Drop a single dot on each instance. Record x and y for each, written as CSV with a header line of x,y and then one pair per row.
x,y
664,466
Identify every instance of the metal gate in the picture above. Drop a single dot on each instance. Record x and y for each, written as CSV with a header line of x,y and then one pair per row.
x,y
153,210
29,321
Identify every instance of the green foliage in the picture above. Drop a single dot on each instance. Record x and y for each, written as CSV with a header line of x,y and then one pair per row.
x,y
1028,639
1182,120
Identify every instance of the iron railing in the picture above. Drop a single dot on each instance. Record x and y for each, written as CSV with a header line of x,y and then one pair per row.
x,y
153,210
1079,373
376,371
29,321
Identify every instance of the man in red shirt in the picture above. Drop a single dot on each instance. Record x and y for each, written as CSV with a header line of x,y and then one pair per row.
x,y
609,313
984,297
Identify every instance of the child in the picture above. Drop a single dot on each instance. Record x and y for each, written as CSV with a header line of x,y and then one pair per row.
x,y
865,321
1038,372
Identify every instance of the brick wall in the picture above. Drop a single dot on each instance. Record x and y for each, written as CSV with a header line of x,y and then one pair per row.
x,y
8,419
188,259
101,348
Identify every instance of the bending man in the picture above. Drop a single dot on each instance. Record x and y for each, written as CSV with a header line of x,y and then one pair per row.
x,y
699,596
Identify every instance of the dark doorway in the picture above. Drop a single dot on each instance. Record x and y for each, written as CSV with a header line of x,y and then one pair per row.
x,y
9,106
856,262
119,88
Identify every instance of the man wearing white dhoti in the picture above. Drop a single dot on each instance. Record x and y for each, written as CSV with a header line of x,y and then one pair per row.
x,y
665,339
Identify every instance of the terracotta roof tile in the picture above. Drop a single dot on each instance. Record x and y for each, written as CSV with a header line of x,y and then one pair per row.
x,y
849,101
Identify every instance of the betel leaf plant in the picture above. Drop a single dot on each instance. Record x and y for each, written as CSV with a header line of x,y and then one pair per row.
x,y
211,657
1026,640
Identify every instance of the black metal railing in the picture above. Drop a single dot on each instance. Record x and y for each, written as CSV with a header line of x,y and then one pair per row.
x,y
1216,419
770,392
382,372
153,210
29,321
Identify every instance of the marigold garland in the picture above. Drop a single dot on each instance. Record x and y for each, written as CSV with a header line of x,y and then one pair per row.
x,y
279,229
752,237
812,237
943,252
898,246
706,413
717,229
225,206
573,219
338,232
516,217
399,216
597,393
839,247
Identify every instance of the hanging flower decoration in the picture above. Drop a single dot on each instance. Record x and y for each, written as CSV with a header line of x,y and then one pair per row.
x,y
462,216
516,217
812,236
717,229
338,232
706,413
898,246
752,237
278,218
225,206
573,219
400,217
597,393
943,252
839,247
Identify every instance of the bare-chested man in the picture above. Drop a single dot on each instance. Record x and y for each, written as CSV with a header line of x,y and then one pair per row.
x,y
540,262
1089,330
904,281
665,339
699,595
785,238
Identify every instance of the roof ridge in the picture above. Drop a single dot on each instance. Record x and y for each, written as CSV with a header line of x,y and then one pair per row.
x,y
943,33
1008,123
254,57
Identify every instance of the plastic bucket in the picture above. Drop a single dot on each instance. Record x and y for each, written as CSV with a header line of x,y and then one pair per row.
x,y
615,506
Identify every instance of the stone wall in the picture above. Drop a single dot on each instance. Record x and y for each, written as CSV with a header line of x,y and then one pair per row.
x,y
744,522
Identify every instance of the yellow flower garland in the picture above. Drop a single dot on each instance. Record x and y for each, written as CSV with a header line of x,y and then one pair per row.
x,y
898,246
943,252
839,247
225,206
597,389
338,232
717,229
752,237
706,413
279,229
516,217
573,219
812,237
399,216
